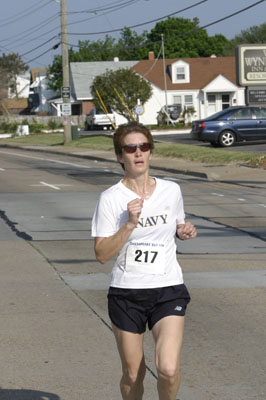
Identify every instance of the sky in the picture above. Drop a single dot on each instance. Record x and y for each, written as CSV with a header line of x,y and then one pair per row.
x,y
31,28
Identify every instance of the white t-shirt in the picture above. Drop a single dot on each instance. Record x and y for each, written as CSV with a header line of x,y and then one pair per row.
x,y
148,258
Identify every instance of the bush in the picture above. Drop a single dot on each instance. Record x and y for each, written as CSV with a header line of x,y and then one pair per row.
x,y
8,127
36,128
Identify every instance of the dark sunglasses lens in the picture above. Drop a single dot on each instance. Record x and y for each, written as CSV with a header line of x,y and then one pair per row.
x,y
145,146
130,148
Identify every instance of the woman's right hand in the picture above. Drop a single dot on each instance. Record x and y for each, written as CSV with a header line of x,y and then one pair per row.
x,y
134,208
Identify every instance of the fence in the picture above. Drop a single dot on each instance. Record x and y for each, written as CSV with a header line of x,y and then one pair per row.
x,y
78,120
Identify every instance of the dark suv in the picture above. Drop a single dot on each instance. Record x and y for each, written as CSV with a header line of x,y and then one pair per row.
x,y
234,124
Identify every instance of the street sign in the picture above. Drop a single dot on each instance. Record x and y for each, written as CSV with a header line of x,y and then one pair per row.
x,y
139,109
65,92
66,109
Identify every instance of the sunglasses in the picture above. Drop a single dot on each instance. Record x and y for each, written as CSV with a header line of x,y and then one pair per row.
x,y
132,148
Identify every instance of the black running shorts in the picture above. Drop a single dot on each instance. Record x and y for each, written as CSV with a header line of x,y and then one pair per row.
x,y
131,309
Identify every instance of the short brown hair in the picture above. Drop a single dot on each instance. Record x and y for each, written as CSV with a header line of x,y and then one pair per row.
x,y
125,129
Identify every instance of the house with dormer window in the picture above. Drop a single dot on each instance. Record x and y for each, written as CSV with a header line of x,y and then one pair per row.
x,y
206,85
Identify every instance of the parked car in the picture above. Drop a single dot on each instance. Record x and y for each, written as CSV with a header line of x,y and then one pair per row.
x,y
234,124
173,112
98,119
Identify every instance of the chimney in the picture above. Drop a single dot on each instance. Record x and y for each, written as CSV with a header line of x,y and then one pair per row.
x,y
151,56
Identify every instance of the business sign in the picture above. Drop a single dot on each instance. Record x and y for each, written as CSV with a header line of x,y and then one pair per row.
x,y
251,64
65,92
66,109
257,95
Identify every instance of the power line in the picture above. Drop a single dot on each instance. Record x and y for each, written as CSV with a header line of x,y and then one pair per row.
x,y
100,15
23,14
184,33
144,23
104,8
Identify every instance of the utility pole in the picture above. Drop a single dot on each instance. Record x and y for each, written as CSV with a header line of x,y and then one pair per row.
x,y
65,70
164,77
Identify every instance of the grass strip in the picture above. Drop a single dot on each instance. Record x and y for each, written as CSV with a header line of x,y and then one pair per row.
x,y
172,150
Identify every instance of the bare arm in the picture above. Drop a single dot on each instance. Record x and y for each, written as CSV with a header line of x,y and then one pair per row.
x,y
107,247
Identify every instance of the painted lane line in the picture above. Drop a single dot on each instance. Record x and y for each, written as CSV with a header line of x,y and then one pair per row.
x,y
2,169
56,184
218,194
242,199
262,205
51,186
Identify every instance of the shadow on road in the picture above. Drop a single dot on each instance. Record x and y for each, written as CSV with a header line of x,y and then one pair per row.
x,y
25,394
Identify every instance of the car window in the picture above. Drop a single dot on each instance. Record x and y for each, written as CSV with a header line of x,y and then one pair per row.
x,y
242,113
260,112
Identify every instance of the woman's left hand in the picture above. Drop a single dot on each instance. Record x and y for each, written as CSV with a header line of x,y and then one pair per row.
x,y
186,231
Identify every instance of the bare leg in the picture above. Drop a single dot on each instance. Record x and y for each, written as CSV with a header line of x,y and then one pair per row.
x,y
130,347
168,337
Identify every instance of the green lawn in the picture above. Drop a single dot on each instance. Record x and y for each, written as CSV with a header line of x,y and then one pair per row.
x,y
173,150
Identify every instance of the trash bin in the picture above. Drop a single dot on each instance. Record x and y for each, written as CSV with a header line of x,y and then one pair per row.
x,y
74,132
22,130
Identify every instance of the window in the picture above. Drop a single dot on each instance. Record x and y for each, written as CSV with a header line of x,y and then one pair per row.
x,y
180,73
243,113
177,100
225,101
188,100
260,113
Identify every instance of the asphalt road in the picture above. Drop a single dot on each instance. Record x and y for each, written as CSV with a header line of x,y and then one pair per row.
x,y
256,147
49,200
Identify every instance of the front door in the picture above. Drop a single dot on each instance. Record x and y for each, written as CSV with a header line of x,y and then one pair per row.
x,y
211,100
217,102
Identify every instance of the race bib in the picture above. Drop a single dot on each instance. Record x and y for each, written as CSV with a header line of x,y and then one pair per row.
x,y
145,258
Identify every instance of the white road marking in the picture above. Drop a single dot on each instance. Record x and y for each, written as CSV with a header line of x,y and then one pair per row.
x,y
51,186
242,199
262,205
172,179
46,159
218,194
56,186
2,169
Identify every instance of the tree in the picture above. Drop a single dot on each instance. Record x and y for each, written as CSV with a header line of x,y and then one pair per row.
x,y
183,38
130,86
132,46
11,65
254,34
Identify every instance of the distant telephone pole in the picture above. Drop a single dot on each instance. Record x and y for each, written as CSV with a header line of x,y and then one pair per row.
x,y
65,71
164,78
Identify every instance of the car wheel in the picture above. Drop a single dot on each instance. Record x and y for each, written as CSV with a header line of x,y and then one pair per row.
x,y
227,139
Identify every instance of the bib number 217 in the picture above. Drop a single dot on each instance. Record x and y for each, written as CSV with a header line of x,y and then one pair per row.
x,y
145,256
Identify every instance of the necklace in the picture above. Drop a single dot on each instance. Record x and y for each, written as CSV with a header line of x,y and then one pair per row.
x,y
146,192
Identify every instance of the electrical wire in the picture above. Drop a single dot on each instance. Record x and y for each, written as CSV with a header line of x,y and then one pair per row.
x,y
144,23
103,8
19,16
184,33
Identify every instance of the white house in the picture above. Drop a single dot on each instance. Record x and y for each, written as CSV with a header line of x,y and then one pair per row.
x,y
40,93
206,84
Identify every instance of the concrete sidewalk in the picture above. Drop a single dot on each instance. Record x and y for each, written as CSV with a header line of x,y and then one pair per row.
x,y
52,344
